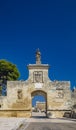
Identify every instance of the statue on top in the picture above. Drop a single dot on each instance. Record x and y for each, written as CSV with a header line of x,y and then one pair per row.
x,y
38,56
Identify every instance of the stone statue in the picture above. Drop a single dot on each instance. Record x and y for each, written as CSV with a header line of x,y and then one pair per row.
x,y
38,57
19,94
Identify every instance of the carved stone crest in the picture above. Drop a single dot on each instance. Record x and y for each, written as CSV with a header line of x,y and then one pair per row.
x,y
19,94
38,77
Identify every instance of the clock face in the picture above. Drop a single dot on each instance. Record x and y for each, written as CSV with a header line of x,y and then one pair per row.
x,y
38,76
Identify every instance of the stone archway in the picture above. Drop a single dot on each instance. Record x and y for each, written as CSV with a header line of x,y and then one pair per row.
x,y
19,93
42,93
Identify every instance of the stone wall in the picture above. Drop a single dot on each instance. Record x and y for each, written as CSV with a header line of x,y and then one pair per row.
x,y
15,113
18,101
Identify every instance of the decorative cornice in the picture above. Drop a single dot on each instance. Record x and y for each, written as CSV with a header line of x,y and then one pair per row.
x,y
38,66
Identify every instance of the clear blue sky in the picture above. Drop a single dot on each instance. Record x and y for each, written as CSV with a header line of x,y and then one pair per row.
x,y
50,25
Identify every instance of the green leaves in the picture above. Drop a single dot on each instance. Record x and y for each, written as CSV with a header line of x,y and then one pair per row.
x,y
8,71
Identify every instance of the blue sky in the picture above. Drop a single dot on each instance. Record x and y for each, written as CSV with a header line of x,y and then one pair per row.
x,y
46,24
39,98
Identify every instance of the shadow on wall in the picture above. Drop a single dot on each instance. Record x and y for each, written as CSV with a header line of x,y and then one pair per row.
x,y
71,114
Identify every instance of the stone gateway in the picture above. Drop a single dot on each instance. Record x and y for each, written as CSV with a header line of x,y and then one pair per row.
x,y
18,101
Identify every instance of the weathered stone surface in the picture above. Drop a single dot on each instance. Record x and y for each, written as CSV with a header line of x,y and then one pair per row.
x,y
19,93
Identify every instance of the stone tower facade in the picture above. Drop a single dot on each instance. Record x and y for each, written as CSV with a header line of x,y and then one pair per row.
x,y
18,101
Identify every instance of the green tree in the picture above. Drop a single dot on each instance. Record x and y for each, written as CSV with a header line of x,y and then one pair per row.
x,y
8,71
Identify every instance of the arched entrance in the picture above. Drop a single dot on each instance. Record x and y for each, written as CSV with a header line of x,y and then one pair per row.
x,y
40,108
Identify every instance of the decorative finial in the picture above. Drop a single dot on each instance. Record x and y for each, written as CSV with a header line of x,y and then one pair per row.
x,y
38,56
